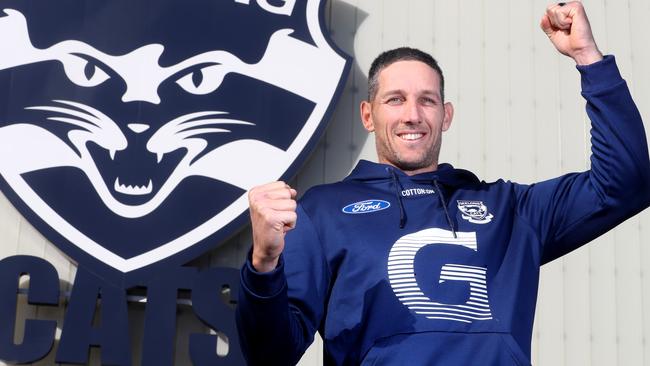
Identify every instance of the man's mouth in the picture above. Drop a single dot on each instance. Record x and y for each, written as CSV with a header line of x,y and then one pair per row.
x,y
411,136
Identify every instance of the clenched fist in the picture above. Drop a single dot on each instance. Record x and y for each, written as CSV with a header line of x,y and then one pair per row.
x,y
567,26
273,213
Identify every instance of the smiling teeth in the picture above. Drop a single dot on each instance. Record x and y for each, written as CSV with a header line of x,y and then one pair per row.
x,y
132,190
411,136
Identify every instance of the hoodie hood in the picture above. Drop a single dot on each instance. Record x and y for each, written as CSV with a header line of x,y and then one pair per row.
x,y
446,175
445,178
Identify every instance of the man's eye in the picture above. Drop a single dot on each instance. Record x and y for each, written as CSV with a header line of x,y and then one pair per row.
x,y
394,100
428,101
83,72
202,81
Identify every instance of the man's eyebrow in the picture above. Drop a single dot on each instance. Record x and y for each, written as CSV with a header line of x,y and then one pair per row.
x,y
430,92
392,92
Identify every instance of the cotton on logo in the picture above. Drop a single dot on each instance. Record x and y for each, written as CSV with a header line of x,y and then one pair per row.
x,y
405,285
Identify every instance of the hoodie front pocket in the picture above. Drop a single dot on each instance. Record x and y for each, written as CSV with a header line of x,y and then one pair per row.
x,y
446,349
516,351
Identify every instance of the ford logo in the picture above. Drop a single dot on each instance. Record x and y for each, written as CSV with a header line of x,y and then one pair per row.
x,y
366,207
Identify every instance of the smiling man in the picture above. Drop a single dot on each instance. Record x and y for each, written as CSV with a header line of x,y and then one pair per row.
x,y
406,110
412,262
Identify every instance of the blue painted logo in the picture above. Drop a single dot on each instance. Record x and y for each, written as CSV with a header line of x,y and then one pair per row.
x,y
366,207
130,134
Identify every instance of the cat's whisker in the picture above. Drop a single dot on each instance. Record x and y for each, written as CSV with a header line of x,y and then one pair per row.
x,y
100,128
103,121
207,122
200,131
188,126
67,111
190,116
85,125
181,123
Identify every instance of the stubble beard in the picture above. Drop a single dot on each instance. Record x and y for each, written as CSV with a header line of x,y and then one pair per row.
x,y
426,159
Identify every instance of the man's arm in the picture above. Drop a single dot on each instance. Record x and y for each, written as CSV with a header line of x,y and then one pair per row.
x,y
277,322
575,208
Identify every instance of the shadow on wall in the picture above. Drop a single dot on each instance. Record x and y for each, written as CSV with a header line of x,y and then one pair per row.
x,y
344,140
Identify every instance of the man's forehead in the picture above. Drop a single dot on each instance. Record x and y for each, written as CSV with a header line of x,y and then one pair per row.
x,y
409,74
404,68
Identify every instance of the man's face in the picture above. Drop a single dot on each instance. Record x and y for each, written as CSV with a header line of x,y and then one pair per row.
x,y
408,116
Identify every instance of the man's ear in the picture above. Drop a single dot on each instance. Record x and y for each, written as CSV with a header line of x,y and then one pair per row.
x,y
449,115
366,116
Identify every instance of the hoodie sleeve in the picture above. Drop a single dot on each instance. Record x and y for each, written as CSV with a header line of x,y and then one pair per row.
x,y
571,210
277,322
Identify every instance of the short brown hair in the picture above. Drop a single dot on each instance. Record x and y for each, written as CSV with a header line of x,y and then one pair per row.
x,y
389,57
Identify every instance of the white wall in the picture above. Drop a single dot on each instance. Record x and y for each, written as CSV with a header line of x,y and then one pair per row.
x,y
519,116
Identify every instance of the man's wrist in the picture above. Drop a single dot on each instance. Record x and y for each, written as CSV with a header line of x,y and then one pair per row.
x,y
263,284
264,264
587,57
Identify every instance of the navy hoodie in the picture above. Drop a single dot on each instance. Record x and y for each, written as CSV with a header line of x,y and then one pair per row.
x,y
440,268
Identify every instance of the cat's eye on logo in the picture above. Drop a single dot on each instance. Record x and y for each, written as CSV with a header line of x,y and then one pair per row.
x,y
204,80
82,71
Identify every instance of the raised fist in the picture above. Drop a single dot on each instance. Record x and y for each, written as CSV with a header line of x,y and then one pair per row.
x,y
567,26
273,213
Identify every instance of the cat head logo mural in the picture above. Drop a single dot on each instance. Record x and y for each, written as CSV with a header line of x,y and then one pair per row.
x,y
130,131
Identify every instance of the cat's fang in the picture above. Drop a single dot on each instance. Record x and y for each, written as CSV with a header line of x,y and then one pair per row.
x,y
159,156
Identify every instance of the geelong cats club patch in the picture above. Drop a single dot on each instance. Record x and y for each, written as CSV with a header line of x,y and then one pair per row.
x,y
474,211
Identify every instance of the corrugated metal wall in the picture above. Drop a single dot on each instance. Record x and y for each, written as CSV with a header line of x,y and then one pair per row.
x,y
519,115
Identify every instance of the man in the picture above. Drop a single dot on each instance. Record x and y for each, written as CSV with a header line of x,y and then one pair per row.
x,y
411,262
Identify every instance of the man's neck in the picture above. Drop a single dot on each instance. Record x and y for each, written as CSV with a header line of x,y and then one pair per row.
x,y
410,172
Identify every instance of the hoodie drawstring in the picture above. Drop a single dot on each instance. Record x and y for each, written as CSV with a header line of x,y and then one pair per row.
x,y
444,207
402,213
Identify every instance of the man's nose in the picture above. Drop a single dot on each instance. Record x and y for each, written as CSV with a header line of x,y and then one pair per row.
x,y
412,112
